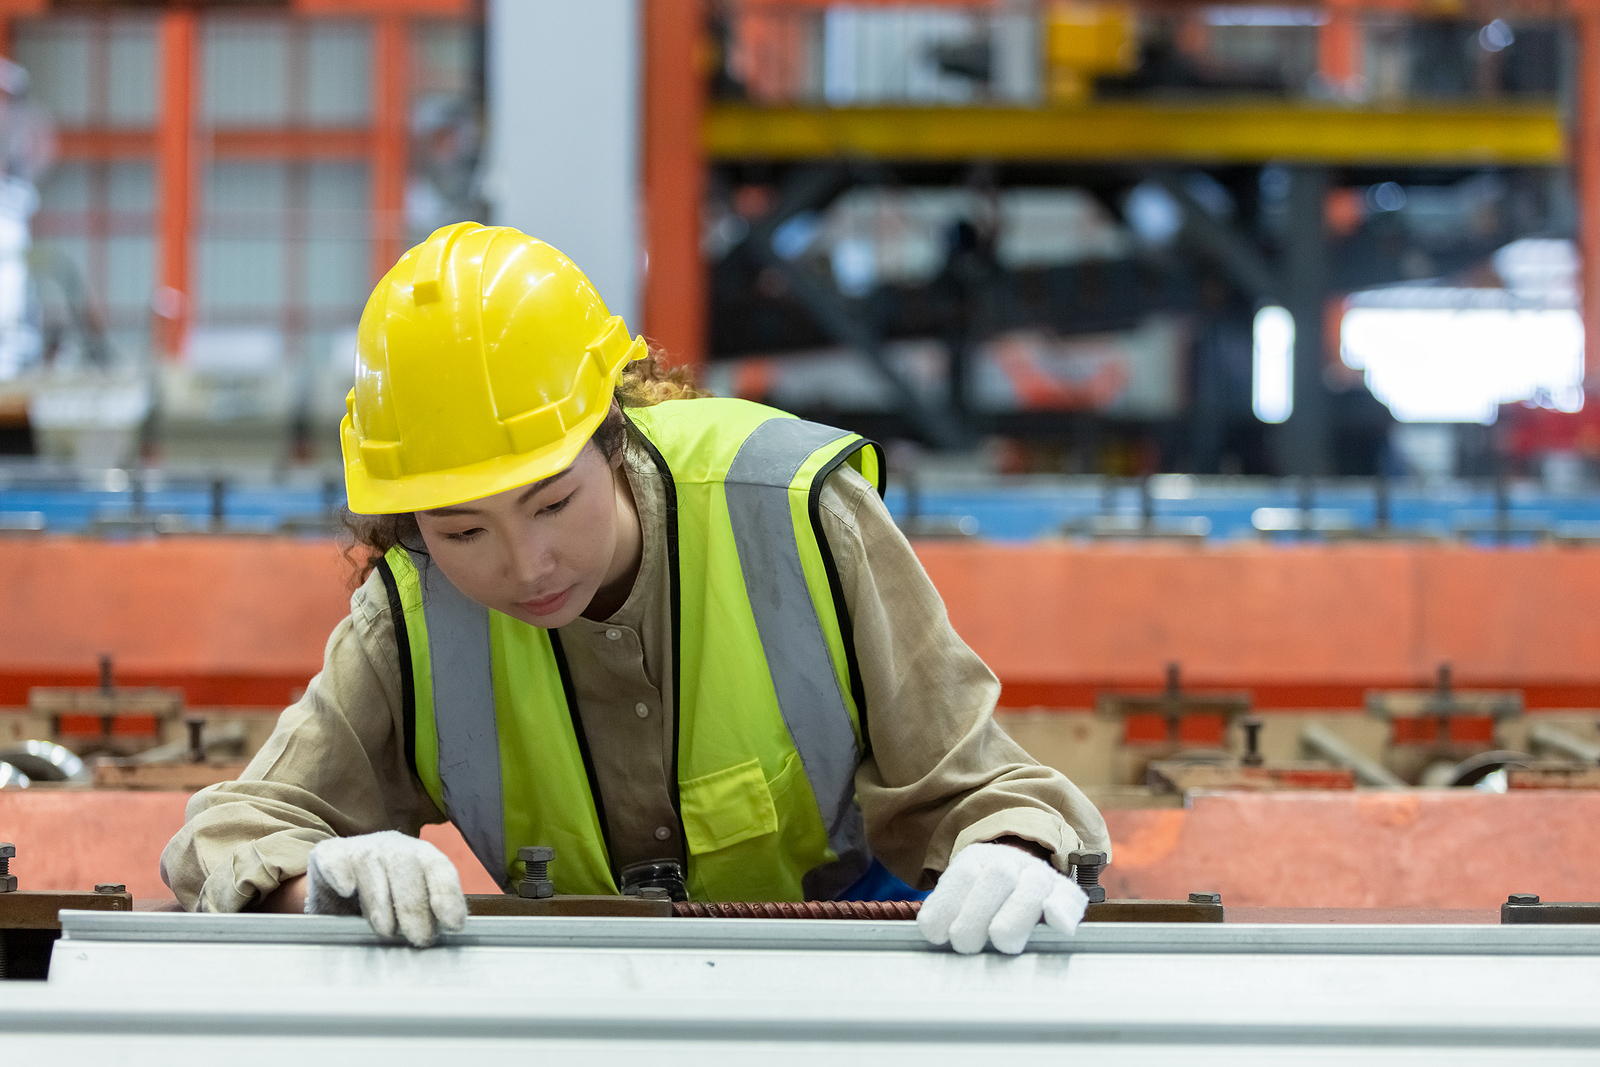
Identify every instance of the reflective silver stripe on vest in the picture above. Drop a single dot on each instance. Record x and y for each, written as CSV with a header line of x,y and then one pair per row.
x,y
802,671
463,716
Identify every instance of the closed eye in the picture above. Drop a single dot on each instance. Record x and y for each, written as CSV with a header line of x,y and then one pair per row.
x,y
559,504
465,535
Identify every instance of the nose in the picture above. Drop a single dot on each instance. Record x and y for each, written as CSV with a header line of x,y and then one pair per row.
x,y
529,561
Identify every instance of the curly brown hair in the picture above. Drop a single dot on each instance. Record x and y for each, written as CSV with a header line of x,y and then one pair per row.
x,y
644,383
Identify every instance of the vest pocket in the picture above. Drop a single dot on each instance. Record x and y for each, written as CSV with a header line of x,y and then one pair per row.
x,y
726,807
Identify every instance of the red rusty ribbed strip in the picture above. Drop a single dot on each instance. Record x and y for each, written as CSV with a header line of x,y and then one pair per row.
x,y
875,910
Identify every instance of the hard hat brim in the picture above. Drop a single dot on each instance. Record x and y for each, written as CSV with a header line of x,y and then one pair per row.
x,y
442,489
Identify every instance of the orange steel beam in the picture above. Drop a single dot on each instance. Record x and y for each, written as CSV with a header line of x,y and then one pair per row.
x,y
1586,165
352,8
391,62
1339,49
291,144
674,177
175,170
94,144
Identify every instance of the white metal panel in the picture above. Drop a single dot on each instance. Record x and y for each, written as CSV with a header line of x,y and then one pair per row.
x,y
131,72
339,187
174,928
336,274
338,66
257,989
130,272
563,95
56,54
247,188
131,186
241,252
66,189
246,62
239,273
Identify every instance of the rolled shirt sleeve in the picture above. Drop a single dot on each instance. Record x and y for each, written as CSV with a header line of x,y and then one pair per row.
x,y
334,767
941,774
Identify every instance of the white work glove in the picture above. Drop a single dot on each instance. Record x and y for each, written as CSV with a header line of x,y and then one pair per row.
x,y
997,893
398,882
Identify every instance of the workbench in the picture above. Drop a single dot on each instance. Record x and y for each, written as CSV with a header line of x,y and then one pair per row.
x,y
246,989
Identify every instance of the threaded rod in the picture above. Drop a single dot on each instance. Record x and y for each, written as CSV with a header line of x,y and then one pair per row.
x,y
873,910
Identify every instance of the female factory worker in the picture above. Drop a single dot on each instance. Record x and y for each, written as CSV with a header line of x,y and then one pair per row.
x,y
635,631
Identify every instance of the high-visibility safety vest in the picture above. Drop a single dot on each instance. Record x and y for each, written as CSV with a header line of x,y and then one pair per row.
x,y
767,694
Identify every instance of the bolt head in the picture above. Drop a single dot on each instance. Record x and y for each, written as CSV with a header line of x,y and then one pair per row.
x,y
1523,898
110,887
7,850
1205,898
1087,859
8,883
536,854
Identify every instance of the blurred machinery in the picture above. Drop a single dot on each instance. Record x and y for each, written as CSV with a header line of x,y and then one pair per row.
x,y
1051,220
1081,273
115,737
1175,743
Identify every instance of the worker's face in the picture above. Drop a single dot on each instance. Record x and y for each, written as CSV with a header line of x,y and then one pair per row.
x,y
541,552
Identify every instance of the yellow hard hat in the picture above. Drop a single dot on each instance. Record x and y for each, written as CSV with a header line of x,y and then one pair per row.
x,y
484,361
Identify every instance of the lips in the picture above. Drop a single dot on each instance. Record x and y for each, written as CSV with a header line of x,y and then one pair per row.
x,y
547,605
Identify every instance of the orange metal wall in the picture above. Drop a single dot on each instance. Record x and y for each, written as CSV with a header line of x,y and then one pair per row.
x,y
1449,849
244,620
1311,626
231,620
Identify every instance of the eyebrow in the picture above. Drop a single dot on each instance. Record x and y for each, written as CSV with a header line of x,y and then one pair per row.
x,y
523,499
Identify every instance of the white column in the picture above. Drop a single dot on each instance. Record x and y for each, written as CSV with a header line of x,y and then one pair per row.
x,y
563,96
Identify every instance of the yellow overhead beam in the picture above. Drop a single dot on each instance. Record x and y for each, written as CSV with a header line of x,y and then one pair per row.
x,y
1517,135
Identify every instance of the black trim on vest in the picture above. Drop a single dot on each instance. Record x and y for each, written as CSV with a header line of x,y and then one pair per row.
x,y
841,610
571,695
408,680
675,599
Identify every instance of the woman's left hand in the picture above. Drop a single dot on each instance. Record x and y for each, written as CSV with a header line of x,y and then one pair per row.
x,y
997,893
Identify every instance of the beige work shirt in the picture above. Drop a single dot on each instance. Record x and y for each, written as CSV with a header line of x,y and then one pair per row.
x,y
940,774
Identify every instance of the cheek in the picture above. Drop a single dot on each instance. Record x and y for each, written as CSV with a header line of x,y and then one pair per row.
x,y
595,529
474,567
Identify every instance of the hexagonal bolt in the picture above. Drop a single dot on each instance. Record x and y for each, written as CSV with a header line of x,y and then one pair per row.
x,y
8,881
1086,871
110,887
1251,725
1205,898
1523,898
536,884
197,739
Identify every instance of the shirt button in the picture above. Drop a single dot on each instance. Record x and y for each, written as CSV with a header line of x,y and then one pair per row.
x,y
614,634
662,833
642,711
